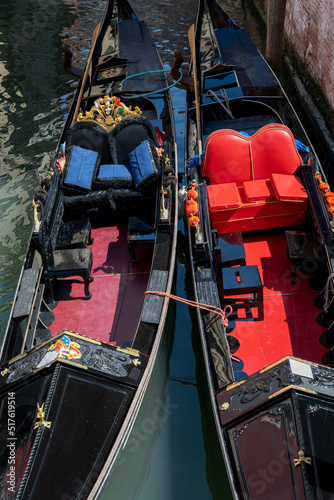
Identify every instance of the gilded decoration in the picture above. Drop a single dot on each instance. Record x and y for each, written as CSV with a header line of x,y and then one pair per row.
x,y
108,111
40,418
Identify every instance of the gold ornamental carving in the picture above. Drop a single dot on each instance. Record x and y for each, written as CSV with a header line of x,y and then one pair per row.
x,y
301,458
108,111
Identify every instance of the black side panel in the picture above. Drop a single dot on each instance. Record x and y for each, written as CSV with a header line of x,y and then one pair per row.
x,y
86,414
17,418
264,447
238,49
316,429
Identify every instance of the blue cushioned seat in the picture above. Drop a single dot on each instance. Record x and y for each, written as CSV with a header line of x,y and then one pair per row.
x,y
110,171
143,165
115,176
81,167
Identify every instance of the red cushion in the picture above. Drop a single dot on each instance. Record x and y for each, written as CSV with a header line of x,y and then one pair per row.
x,y
227,158
273,149
223,196
289,187
258,190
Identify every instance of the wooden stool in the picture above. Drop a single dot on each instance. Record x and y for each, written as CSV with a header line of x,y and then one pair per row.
x,y
243,280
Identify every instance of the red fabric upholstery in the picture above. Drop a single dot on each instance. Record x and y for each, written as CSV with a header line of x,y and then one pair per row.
x,y
259,223
233,157
227,158
274,150
223,196
259,190
256,215
288,187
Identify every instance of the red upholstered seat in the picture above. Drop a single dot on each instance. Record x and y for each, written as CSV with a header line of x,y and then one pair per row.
x,y
252,182
289,187
273,149
233,157
223,196
227,158
259,190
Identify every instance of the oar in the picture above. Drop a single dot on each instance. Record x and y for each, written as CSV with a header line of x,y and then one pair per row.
x,y
191,37
85,76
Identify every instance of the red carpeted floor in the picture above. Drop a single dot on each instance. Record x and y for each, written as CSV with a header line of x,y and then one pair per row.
x,y
113,312
289,326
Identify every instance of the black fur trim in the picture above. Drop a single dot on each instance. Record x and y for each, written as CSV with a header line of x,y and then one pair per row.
x,y
128,134
90,135
93,199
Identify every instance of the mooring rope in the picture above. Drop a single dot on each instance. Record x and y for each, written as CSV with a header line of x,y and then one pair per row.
x,y
213,309
153,91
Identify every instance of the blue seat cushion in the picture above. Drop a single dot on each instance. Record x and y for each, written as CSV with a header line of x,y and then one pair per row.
x,y
143,165
114,175
110,171
81,167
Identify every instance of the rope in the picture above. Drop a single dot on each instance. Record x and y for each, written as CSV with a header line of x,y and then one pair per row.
x,y
154,91
37,222
225,97
327,288
327,304
199,305
213,309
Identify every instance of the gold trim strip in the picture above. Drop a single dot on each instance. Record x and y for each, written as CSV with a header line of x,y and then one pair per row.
x,y
69,362
129,350
58,335
235,384
79,336
17,357
285,389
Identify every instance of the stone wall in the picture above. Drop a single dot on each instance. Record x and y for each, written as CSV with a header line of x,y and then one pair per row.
x,y
309,44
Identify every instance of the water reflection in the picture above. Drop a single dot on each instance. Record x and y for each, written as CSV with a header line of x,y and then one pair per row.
x,y
34,97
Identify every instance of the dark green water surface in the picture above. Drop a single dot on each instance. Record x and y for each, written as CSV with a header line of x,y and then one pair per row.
x,y
172,452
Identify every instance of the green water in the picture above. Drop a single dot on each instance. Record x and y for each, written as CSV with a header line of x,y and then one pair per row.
x,y
172,452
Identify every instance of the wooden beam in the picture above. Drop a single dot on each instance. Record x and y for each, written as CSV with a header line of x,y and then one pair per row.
x,y
275,32
85,76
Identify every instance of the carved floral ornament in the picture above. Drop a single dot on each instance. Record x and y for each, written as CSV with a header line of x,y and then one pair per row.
x,y
108,111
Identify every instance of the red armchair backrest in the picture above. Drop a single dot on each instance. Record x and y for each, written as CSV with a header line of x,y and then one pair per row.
x,y
233,157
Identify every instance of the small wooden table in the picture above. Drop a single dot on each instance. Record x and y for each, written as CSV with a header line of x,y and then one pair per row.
x,y
243,280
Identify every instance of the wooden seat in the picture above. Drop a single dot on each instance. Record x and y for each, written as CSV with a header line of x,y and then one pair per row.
x,y
64,262
238,282
74,233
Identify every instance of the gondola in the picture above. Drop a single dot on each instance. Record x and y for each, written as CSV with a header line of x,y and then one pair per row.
x,y
259,214
87,321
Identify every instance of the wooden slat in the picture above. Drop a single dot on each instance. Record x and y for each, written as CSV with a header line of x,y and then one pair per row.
x,y
26,294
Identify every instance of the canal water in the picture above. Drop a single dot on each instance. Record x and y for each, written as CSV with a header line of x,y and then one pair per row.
x,y
172,452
